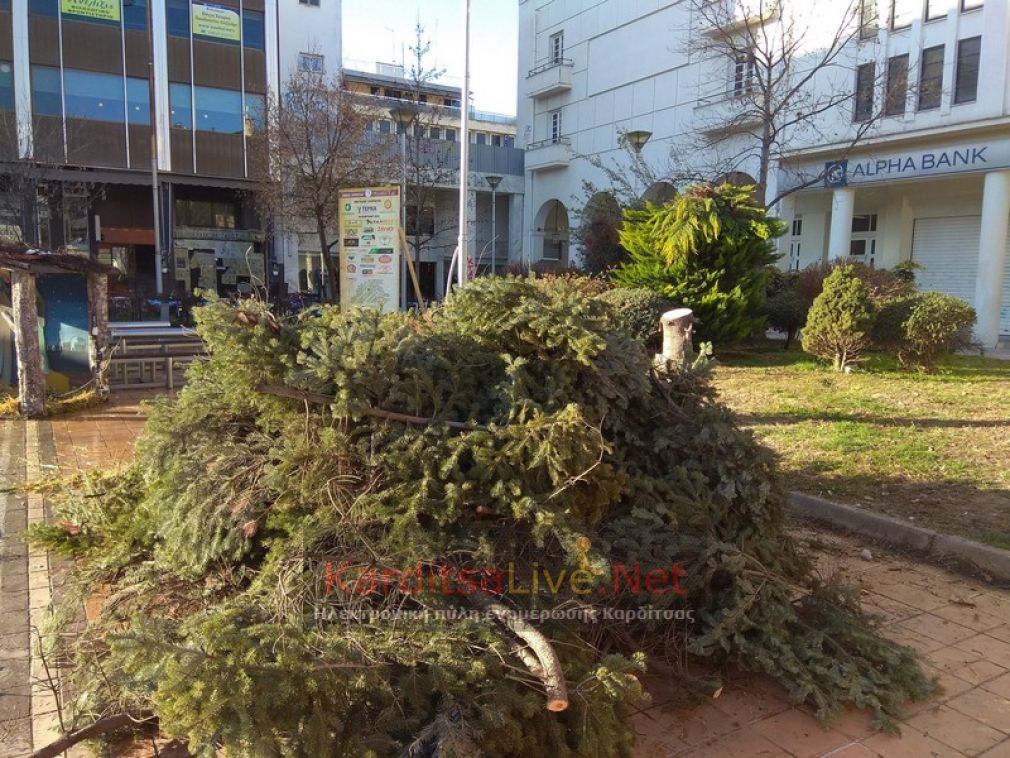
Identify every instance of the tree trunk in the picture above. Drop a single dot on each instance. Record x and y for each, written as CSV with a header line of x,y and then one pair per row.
x,y
332,279
31,380
677,326
98,321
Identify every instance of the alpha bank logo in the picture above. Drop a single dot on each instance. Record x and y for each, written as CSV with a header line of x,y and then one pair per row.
x,y
836,174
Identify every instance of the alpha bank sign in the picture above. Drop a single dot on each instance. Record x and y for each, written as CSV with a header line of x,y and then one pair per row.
x,y
962,158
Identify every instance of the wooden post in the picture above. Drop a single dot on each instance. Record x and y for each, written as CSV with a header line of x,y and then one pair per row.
x,y
678,325
413,274
98,328
31,380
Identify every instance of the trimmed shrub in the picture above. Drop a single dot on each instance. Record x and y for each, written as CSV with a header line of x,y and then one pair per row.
x,y
838,326
785,309
636,312
706,250
937,324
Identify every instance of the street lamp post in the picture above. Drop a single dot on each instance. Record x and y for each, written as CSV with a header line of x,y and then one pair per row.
x,y
464,154
494,181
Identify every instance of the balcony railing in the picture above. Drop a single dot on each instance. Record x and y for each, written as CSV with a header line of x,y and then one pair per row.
x,y
443,156
555,152
550,78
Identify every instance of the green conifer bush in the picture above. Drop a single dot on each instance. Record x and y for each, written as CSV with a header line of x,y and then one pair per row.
x,y
707,250
218,552
841,320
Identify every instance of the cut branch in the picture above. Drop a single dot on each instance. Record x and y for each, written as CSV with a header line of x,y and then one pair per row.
x,y
549,670
100,727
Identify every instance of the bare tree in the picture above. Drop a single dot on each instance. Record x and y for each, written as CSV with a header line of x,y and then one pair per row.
x,y
25,181
429,164
789,70
318,143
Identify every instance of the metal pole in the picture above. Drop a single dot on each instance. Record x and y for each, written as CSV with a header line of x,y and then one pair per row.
x,y
159,258
464,156
494,242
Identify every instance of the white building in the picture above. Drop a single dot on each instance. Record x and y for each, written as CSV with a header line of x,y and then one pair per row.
x,y
929,182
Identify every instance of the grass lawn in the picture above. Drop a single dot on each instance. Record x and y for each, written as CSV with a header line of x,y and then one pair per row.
x,y
934,449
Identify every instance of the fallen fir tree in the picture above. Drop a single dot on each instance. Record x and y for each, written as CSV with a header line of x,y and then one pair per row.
x,y
320,477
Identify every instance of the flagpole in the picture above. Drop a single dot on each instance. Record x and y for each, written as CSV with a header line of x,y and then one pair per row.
x,y
463,261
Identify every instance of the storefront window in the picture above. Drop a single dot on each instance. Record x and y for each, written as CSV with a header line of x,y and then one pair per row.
x,y
255,113
218,110
43,7
95,97
181,105
47,95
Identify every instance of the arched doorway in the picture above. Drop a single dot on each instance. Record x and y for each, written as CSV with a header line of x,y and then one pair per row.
x,y
552,233
598,234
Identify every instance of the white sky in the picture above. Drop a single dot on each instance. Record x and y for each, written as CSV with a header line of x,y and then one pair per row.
x,y
383,30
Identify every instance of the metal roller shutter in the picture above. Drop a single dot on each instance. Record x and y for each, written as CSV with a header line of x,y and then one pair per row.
x,y
947,250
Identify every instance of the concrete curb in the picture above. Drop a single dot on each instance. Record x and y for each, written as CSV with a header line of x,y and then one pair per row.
x,y
900,533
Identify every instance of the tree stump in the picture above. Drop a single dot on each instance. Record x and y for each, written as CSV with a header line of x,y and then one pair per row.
x,y
678,327
31,379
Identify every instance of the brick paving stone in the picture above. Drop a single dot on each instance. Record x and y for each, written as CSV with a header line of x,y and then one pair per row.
x,y
988,647
855,750
965,665
939,628
745,742
746,704
956,729
999,686
1002,750
970,617
981,704
911,744
800,734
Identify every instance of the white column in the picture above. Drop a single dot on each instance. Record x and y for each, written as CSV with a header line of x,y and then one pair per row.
x,y
162,101
515,232
22,78
992,256
842,205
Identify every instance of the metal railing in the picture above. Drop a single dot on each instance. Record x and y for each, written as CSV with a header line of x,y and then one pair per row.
x,y
440,155
549,64
548,142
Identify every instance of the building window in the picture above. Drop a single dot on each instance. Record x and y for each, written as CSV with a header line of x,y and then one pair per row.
x,y
6,86
481,138
557,47
177,17
420,226
385,127
95,97
971,5
314,3
135,14
138,101
510,141
418,131
869,19
218,110
903,13
556,126
435,132
938,8
865,75
743,74
43,7
255,113
47,94
181,103
897,86
313,64
931,78
450,135
966,75
863,245
206,213
496,140
376,91
253,30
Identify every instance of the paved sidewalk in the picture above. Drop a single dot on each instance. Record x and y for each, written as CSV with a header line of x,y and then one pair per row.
x,y
960,625
962,628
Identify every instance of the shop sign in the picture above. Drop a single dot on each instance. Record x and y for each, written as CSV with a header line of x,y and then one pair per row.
x,y
106,10
370,248
215,21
